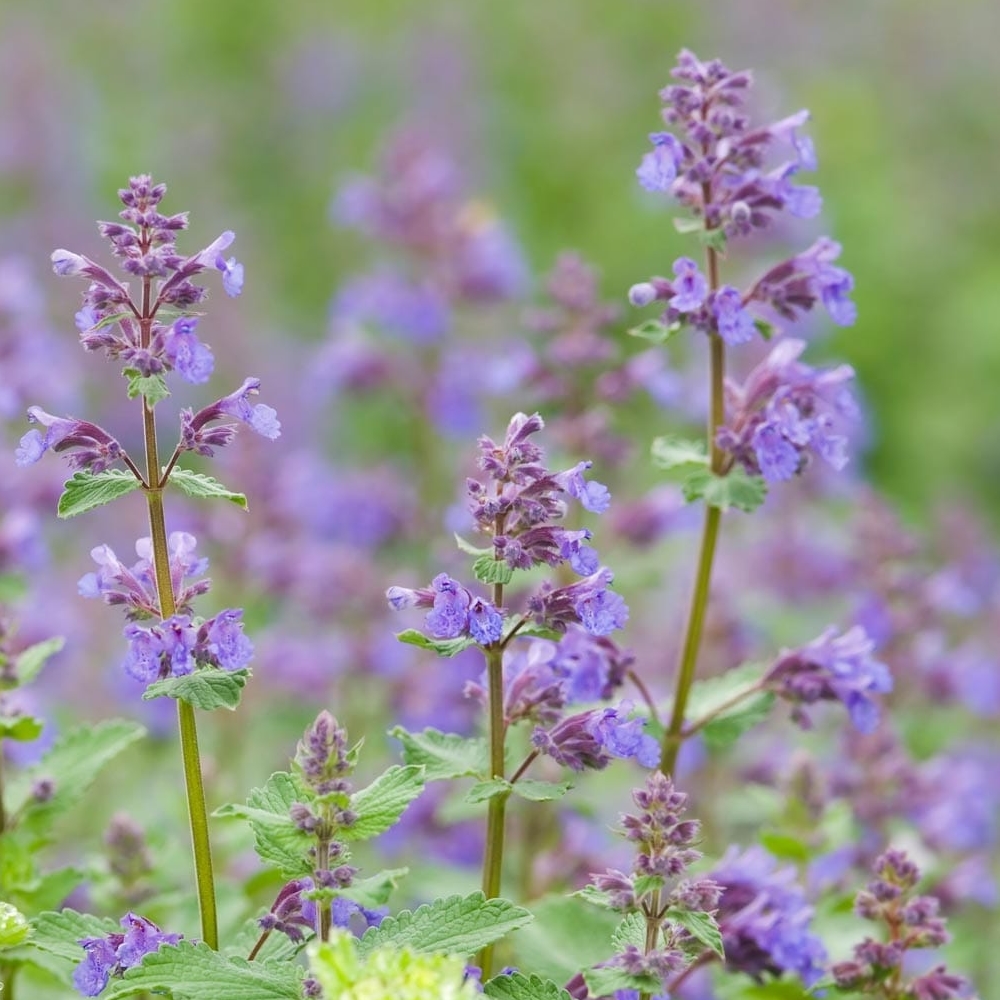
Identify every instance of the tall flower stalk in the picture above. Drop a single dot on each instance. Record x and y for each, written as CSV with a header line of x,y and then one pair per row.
x,y
152,337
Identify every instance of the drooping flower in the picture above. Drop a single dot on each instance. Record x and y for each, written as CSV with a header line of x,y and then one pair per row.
x,y
196,435
91,447
112,955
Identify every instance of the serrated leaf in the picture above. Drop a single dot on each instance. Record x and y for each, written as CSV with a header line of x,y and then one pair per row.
x,y
735,489
482,791
632,930
654,330
701,926
643,884
785,846
71,765
595,896
277,840
443,755
380,804
730,726
487,569
87,490
195,972
200,486
541,791
22,728
207,688
529,629
468,548
375,890
31,660
602,982
152,388
520,987
679,453
716,693
59,933
458,925
443,647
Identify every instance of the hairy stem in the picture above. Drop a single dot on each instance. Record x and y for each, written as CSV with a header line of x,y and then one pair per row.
x,y
694,630
187,728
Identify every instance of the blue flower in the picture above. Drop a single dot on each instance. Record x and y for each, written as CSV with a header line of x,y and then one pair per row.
x,y
690,288
735,324
658,168
232,275
225,634
189,356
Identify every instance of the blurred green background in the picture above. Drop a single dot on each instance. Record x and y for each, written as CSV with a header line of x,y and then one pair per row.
x,y
253,111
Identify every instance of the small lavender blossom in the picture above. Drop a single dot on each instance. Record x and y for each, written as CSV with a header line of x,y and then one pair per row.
x,y
735,324
92,447
659,167
323,756
188,355
834,668
590,739
111,956
454,611
690,288
197,436
588,602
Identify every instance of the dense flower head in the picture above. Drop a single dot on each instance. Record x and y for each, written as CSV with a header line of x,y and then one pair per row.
x,y
833,668
90,447
179,645
294,911
135,588
764,918
785,412
910,922
588,602
454,610
590,739
112,955
323,756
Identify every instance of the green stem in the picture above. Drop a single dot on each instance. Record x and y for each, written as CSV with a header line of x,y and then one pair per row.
x,y
324,905
674,735
187,728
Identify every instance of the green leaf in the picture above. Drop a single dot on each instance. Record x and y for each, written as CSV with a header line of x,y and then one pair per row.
x,y
785,846
715,239
529,628
643,884
22,728
735,489
541,791
469,549
679,453
47,891
765,329
481,791
14,926
196,484
71,765
87,490
654,330
443,647
632,930
31,660
375,890
711,695
208,688
602,982
685,224
491,570
380,804
595,896
730,726
152,388
59,933
521,987
277,840
456,926
191,971
443,755
701,926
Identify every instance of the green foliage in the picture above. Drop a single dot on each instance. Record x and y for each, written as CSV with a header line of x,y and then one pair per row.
x,y
785,846
469,549
654,330
457,925
680,454
153,388
191,971
701,926
735,489
443,755
54,942
23,728
375,890
443,647
31,660
632,930
14,926
602,982
200,486
521,987
710,695
541,791
207,688
87,490
380,805
488,569
482,791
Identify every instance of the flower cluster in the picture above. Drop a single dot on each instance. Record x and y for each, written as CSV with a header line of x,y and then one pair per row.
x,y
833,668
764,918
590,739
454,610
911,923
112,955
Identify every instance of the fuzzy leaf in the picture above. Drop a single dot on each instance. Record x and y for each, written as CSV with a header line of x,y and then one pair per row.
x,y
710,695
197,484
71,765
595,896
679,453
482,791
521,987
647,883
487,569
730,726
59,933
701,926
152,388
277,840
541,791
31,660
632,930
23,728
458,925
87,490
654,330
191,971
208,688
380,805
785,846
735,489
444,755
443,647
376,890
602,982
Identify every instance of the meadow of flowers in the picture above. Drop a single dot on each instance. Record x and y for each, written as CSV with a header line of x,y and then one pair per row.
x,y
517,634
